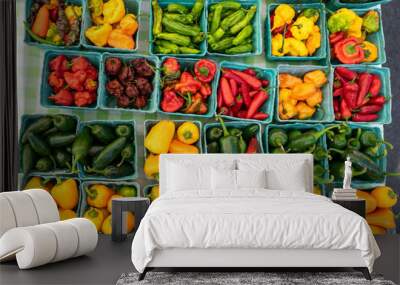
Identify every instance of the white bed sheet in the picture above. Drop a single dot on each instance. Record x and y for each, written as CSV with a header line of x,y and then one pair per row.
x,y
251,218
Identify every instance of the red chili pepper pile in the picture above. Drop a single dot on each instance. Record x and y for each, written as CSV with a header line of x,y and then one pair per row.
x,y
241,94
74,82
356,96
184,92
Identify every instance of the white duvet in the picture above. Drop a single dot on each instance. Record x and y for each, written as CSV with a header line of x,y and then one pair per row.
x,y
256,218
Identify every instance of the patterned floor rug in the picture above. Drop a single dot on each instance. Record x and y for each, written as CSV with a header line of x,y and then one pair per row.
x,y
253,278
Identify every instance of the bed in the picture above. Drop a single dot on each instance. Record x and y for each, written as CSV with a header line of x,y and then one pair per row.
x,y
205,217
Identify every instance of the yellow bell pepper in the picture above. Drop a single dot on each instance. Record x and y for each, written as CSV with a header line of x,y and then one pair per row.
x,y
355,28
109,202
96,216
177,146
66,194
376,230
316,77
303,90
96,7
98,195
98,35
98,20
285,12
315,99
304,111
154,193
279,45
106,227
385,196
117,39
151,166
296,47
314,40
302,28
370,51
160,136
34,183
370,201
66,214
287,80
113,11
188,133
382,217
128,24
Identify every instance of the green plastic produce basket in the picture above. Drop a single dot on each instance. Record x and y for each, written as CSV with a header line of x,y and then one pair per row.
x,y
324,113
377,39
367,4
358,183
30,41
83,205
88,176
320,54
235,124
203,26
25,122
131,7
46,90
257,30
108,102
269,74
188,64
385,115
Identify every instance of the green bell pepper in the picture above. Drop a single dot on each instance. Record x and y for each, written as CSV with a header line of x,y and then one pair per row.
x,y
228,143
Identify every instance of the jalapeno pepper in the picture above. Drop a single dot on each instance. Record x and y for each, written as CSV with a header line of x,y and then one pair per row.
x,y
228,143
64,123
80,147
109,153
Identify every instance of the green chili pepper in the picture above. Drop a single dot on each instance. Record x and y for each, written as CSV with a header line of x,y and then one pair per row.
x,y
167,44
293,134
80,147
375,152
232,19
123,131
178,39
368,138
44,164
28,158
158,15
179,28
184,19
245,21
239,49
228,5
64,123
39,145
210,17
320,153
222,44
277,138
243,35
162,50
216,19
50,131
337,170
197,9
277,150
63,159
114,171
242,145
250,131
95,150
61,139
103,133
235,132
319,170
177,8
219,33
228,143
354,143
39,126
188,50
109,153
339,141
199,38
127,153
213,147
306,141
214,134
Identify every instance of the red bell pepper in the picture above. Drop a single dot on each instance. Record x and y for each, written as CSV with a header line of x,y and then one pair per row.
x,y
63,98
345,112
252,145
336,37
260,116
376,85
187,84
365,117
226,92
370,109
349,50
171,102
258,100
346,73
205,70
252,81
364,82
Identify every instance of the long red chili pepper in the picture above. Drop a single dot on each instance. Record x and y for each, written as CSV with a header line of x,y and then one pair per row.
x,y
378,100
350,94
365,117
252,145
226,92
234,86
345,112
364,82
338,92
228,74
346,73
260,116
336,108
370,109
257,102
340,78
376,85
220,101
252,81
244,90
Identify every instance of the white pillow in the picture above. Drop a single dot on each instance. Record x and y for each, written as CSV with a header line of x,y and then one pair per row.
x,y
223,179
251,178
282,174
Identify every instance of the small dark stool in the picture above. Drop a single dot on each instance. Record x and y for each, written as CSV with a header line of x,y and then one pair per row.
x,y
119,208
357,206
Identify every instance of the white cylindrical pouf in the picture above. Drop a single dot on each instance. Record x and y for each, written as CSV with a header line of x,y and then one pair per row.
x,y
7,217
87,234
45,205
23,208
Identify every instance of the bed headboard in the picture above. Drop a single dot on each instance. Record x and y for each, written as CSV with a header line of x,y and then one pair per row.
x,y
209,159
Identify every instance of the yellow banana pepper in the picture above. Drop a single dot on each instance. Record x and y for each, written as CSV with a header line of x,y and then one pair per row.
x,y
355,28
302,28
160,136
177,146
96,216
98,35
315,99
128,24
151,166
188,133
279,45
113,11
370,51
382,217
385,196
304,111
296,47
98,195
66,194
117,39
313,42
286,12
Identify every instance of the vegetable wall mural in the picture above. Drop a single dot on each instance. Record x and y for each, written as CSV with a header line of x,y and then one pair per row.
x,y
107,86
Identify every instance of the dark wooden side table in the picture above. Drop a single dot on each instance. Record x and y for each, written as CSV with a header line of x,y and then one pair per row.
x,y
357,206
120,206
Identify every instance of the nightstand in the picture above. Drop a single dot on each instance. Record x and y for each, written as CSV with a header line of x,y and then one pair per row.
x,y
357,206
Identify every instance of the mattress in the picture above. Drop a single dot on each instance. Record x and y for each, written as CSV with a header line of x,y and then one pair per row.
x,y
250,219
